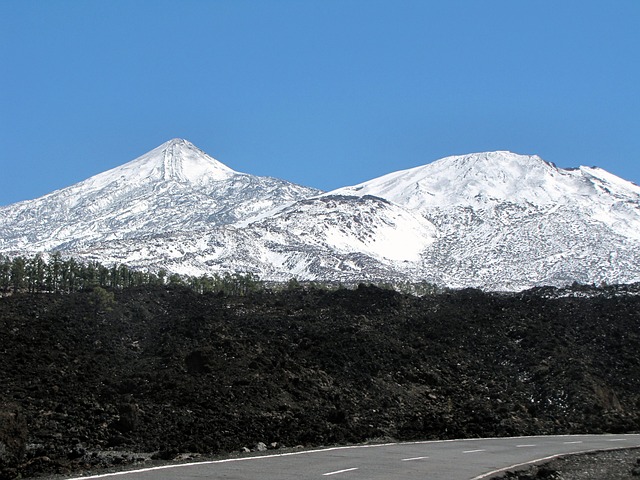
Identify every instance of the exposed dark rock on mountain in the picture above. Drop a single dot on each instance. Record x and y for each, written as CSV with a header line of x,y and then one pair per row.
x,y
166,371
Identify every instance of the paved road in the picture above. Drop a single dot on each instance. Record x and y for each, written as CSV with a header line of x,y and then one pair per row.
x,y
473,459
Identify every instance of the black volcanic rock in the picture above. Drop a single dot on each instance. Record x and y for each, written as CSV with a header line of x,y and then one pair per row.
x,y
166,370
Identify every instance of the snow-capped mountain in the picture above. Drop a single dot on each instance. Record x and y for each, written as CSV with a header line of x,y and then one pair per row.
x,y
511,221
174,187
494,220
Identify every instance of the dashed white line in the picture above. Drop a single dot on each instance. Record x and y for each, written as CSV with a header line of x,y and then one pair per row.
x,y
339,471
568,443
525,445
616,440
414,458
474,451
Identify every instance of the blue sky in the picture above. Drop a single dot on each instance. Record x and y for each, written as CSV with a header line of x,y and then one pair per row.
x,y
323,93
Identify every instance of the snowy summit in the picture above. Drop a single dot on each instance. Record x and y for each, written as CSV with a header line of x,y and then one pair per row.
x,y
490,177
177,160
495,220
174,187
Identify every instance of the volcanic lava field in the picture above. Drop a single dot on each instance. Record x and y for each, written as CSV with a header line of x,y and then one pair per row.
x,y
100,378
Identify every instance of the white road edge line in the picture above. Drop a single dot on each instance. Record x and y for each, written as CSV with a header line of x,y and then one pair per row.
x,y
307,452
247,459
339,471
540,460
474,451
414,458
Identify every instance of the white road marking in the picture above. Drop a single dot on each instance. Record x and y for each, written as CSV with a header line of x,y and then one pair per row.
x,y
516,465
524,446
568,443
324,450
616,440
474,451
414,458
339,471
536,461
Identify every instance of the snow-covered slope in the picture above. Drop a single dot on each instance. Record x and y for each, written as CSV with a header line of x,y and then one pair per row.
x,y
492,177
495,220
510,221
174,187
333,238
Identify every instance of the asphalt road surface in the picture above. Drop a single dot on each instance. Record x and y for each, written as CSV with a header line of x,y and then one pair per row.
x,y
472,459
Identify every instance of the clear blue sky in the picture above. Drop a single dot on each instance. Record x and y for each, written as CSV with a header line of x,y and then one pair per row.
x,y
325,93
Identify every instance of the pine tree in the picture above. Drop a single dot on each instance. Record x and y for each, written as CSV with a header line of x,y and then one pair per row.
x,y
18,274
5,273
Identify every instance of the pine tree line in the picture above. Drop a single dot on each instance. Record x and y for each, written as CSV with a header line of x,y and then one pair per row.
x,y
56,274
66,275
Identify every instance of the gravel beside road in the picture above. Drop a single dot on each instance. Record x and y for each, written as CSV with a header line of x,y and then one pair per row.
x,y
608,465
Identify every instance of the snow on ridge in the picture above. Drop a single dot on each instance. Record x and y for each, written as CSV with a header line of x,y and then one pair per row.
x,y
457,180
177,160
174,187
610,181
496,220
488,178
369,225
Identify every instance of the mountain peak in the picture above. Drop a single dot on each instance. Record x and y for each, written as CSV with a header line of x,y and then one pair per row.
x,y
176,141
493,168
180,143
487,178
182,161
176,187
497,159
176,160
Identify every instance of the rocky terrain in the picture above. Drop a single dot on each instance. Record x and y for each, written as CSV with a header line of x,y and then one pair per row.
x,y
100,378
609,465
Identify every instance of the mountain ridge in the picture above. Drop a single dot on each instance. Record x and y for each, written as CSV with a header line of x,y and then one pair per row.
x,y
494,220
163,164
153,193
503,169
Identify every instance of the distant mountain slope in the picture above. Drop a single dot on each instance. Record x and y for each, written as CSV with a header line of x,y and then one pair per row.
x,y
511,221
175,187
335,238
495,220
483,180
